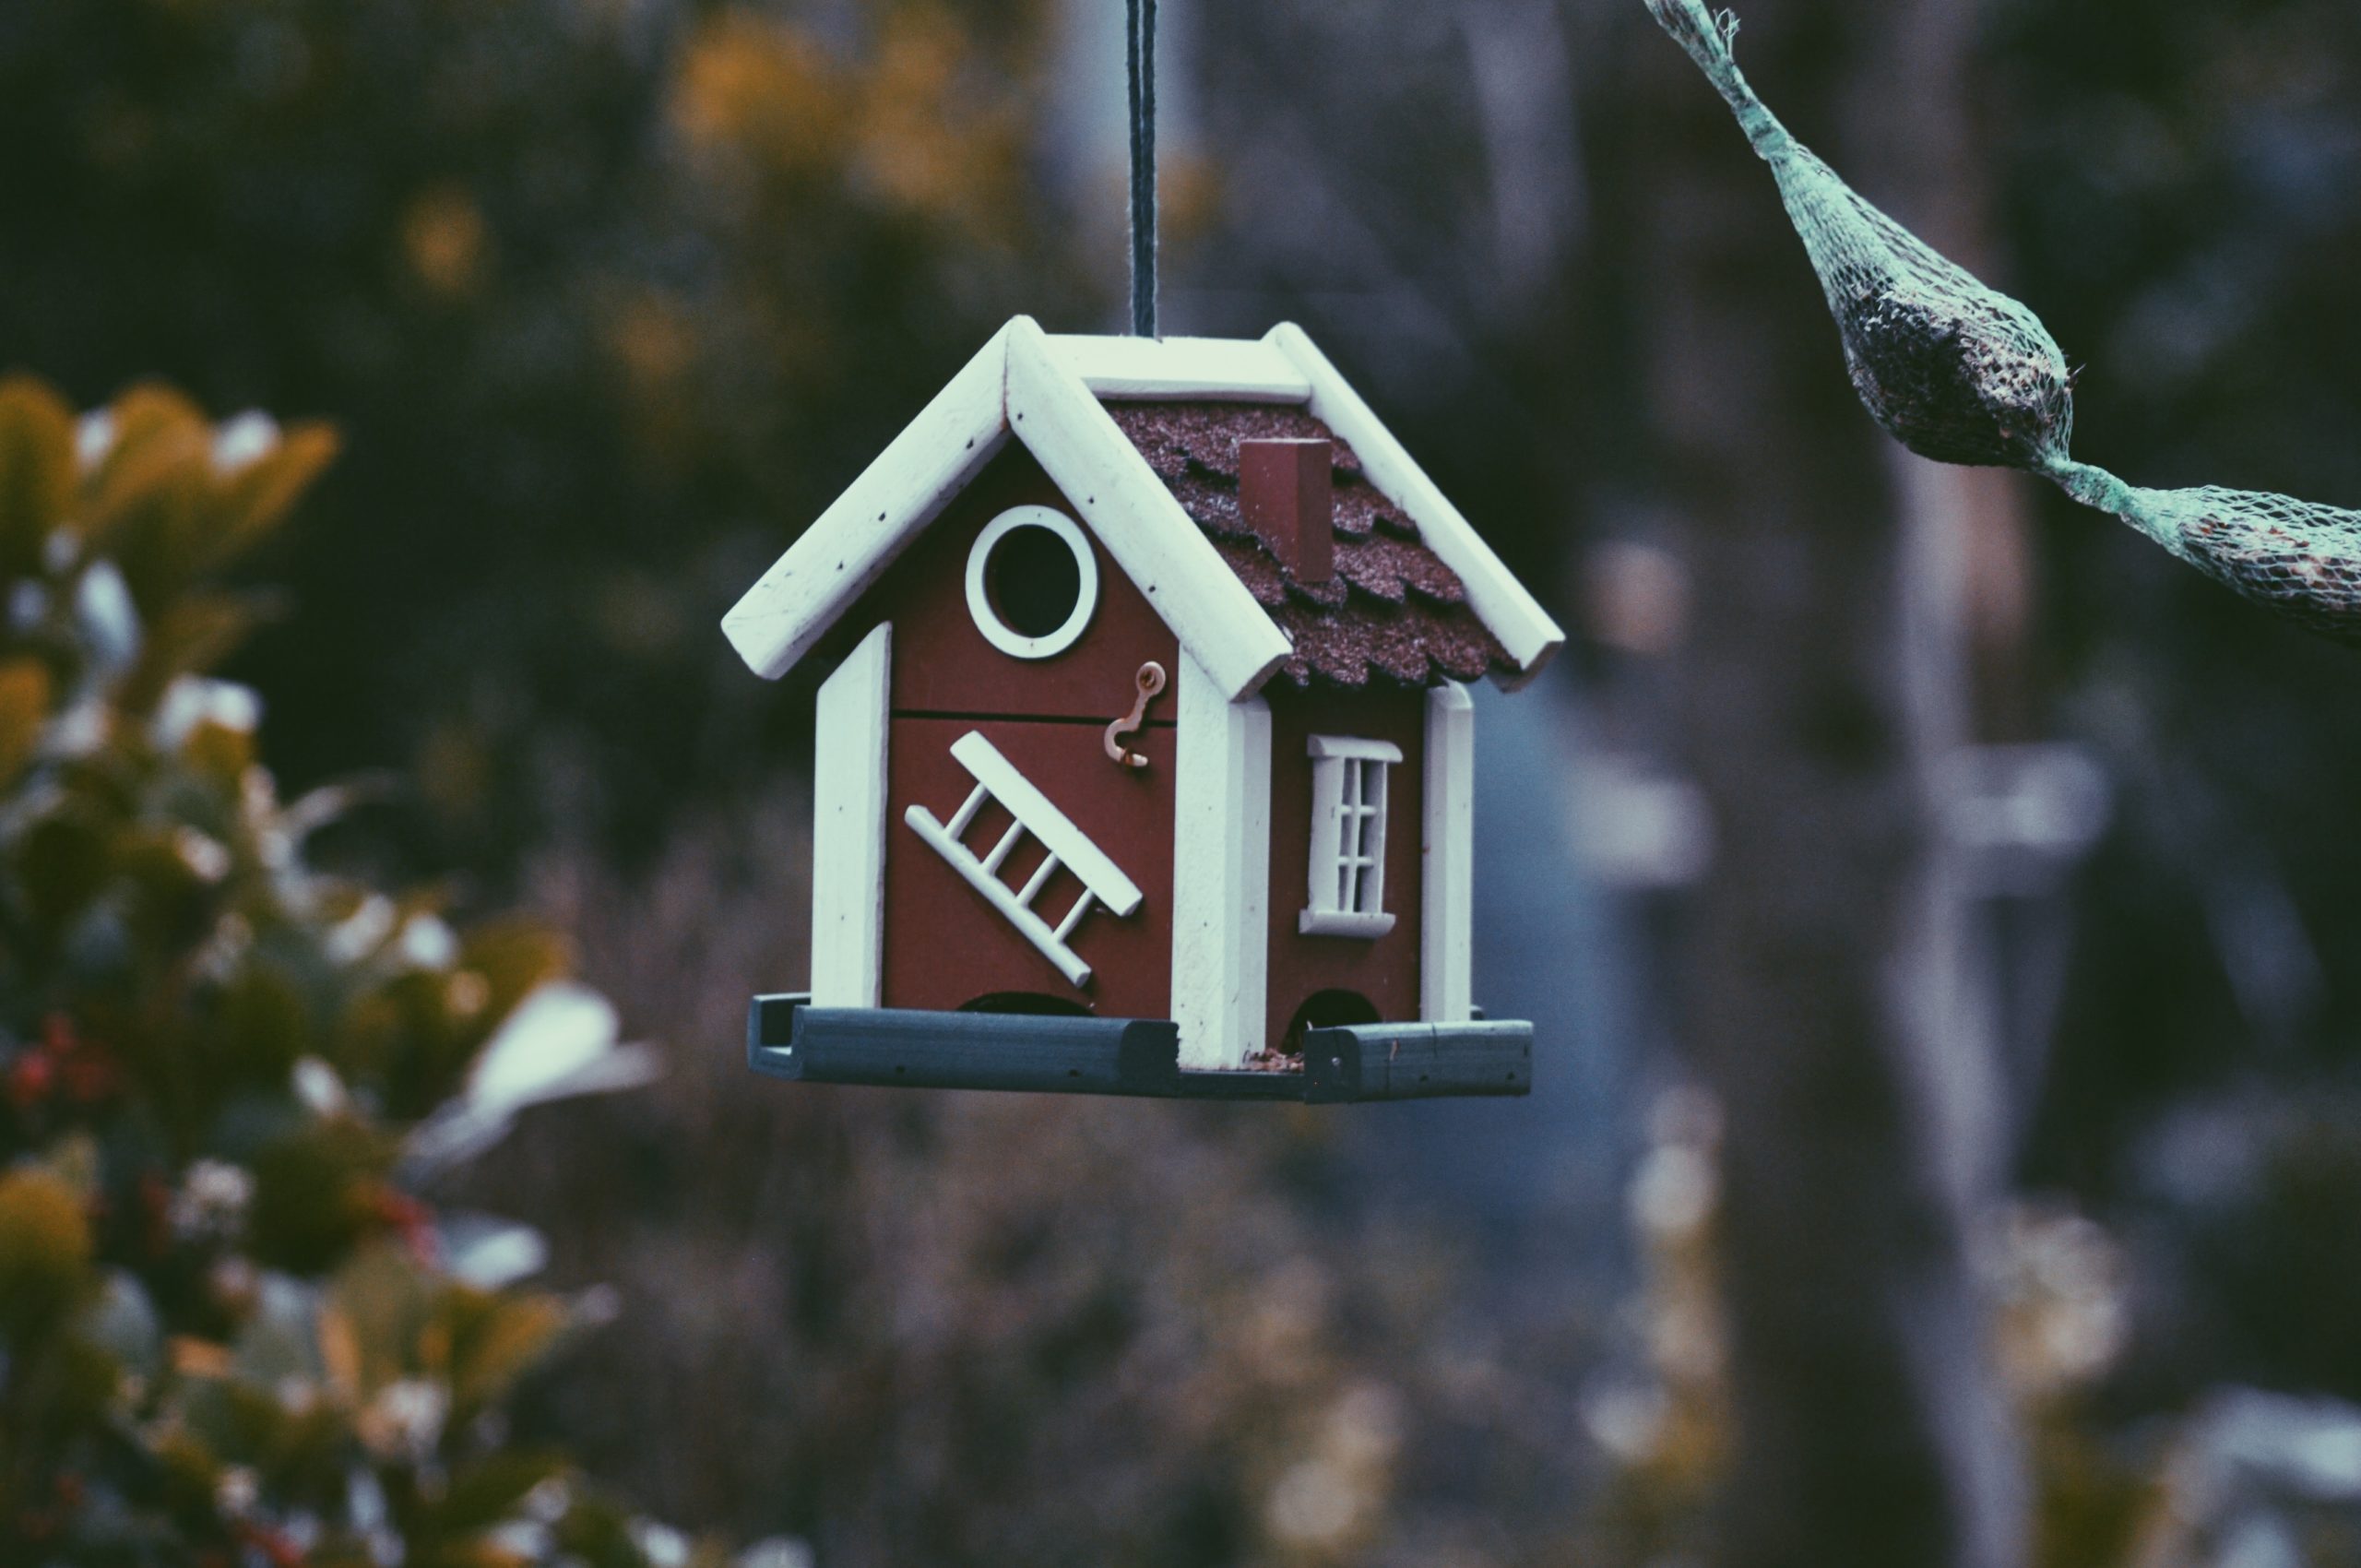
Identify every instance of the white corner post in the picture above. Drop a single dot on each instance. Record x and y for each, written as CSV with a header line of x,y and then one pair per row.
x,y
1221,872
1446,989
848,828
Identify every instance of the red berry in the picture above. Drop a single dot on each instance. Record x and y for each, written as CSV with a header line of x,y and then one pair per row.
x,y
29,1080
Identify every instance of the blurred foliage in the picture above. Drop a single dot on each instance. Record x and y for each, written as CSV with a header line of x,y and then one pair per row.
x,y
610,296
230,1329
969,1330
607,297
2237,1477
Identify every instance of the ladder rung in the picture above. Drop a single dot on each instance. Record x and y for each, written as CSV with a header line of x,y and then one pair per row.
x,y
1073,916
966,813
1040,879
1000,851
1034,928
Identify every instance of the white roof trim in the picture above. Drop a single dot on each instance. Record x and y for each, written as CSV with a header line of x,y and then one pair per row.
x,y
1218,369
1165,554
842,556
1499,601
1046,391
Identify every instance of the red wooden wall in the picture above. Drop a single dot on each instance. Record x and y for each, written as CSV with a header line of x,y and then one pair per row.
x,y
1383,973
945,946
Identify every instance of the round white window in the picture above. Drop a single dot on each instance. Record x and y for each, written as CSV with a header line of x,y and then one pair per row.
x,y
1032,582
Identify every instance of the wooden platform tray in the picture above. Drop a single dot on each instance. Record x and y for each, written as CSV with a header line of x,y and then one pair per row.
x,y
786,1037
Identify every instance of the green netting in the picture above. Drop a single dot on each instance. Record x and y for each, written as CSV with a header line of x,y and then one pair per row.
x,y
1963,374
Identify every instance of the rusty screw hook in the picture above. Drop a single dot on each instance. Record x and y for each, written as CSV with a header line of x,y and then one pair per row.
x,y
1150,682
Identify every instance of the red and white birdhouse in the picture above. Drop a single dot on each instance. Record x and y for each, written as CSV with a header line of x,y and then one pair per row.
x,y
1145,761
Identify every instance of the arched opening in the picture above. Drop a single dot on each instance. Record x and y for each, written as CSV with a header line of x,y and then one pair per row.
x,y
1326,1010
1028,1002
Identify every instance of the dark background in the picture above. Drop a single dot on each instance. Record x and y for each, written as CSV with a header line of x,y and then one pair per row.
x,y
1935,904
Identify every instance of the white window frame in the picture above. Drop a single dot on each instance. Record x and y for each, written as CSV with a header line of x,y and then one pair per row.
x,y
1349,801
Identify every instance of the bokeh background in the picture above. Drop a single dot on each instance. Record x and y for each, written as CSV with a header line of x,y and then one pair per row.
x,y
1937,907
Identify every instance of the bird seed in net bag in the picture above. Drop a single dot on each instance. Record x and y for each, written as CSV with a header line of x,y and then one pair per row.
x,y
1963,374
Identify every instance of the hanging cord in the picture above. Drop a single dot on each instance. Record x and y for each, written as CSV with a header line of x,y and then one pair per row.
x,y
1141,15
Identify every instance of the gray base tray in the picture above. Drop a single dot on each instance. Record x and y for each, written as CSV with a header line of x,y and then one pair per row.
x,y
788,1038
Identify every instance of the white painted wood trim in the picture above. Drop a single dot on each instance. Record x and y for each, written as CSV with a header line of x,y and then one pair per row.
x,y
1165,554
1033,810
1343,922
1351,746
1051,944
848,826
1500,601
1325,911
1225,369
1221,872
843,555
1447,927
998,632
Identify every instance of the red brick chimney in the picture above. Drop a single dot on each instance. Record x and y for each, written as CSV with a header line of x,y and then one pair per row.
x,y
1287,494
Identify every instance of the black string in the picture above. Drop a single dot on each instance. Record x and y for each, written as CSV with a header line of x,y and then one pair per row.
x,y
1141,15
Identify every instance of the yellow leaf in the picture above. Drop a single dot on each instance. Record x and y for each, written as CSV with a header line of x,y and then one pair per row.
x,y
145,505
36,471
192,1357
341,1352
503,1345
757,88
258,497
383,1300
45,1250
447,240
24,708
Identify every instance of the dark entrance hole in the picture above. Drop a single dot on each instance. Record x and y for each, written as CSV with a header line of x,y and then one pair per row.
x,y
1034,581
1030,1002
1326,1010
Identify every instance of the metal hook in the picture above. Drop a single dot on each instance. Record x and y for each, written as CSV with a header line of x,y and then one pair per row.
x,y
1150,682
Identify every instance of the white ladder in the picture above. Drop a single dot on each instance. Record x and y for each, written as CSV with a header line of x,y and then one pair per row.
x,y
1103,881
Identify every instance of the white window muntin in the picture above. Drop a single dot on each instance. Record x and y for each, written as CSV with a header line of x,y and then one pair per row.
x,y
1347,851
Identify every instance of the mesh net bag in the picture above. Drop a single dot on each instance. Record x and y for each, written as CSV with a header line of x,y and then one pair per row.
x,y
1963,374
2297,557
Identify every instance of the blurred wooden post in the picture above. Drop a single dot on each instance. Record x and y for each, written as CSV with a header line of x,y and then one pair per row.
x,y
1826,681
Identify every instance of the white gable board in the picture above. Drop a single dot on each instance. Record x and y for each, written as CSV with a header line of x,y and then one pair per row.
x,y
1227,370
1143,526
1525,630
841,556
1045,391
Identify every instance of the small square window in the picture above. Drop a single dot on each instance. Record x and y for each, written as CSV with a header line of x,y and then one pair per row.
x,y
1348,798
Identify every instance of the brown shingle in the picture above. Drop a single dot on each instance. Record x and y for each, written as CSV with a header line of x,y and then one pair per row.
x,y
1394,612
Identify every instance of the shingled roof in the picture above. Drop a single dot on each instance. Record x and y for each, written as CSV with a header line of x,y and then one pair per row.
x,y
1394,613
1142,435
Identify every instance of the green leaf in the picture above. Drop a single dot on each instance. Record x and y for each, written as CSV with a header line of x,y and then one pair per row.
x,y
315,1194
189,635
62,865
495,1339
378,1307
490,1491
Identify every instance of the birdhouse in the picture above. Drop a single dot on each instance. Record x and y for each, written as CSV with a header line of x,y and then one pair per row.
x,y
1145,760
